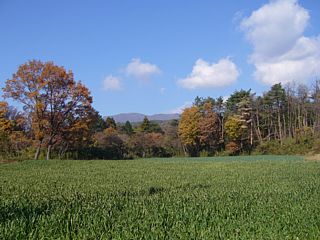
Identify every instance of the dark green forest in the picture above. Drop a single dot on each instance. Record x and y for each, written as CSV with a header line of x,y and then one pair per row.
x,y
57,121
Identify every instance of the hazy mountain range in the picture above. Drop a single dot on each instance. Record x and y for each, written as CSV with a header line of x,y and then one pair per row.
x,y
138,117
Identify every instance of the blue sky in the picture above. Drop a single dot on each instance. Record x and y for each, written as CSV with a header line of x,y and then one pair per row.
x,y
157,56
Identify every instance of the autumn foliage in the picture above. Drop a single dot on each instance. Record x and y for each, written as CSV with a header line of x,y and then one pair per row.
x,y
189,130
54,118
55,103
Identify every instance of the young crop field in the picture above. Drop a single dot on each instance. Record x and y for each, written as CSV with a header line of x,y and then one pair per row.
x,y
259,197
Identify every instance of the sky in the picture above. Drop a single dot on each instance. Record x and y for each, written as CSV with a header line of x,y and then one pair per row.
x,y
157,56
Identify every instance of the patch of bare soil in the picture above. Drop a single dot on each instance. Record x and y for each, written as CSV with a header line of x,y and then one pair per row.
x,y
7,161
314,157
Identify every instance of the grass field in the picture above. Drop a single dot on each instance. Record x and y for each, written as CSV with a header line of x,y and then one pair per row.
x,y
261,197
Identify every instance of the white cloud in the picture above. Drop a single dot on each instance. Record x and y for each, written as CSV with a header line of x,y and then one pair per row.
x,y
280,51
206,75
111,83
141,70
237,17
162,90
225,98
181,108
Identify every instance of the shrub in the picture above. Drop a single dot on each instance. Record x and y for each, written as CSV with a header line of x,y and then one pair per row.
x,y
233,148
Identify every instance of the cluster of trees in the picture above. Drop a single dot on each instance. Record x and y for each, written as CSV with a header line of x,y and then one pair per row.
x,y
146,139
57,110
282,120
57,120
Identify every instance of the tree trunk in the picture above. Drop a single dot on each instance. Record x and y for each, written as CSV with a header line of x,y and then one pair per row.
x,y
284,126
257,127
48,151
36,156
222,128
63,150
251,135
279,126
184,150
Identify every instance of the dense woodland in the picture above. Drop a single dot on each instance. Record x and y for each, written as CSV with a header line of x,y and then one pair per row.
x,y
57,120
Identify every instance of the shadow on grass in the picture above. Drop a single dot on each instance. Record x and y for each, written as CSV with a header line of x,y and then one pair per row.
x,y
26,212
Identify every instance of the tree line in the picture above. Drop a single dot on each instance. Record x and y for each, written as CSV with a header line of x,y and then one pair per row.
x,y
57,120
283,120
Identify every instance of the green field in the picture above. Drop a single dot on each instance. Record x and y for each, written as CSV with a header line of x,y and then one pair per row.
x,y
261,197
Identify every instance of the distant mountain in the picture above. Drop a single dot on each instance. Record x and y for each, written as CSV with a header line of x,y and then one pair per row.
x,y
138,117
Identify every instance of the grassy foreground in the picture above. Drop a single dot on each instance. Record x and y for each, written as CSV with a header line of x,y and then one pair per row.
x,y
261,197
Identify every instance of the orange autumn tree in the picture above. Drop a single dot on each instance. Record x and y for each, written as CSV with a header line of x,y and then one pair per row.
x,y
55,102
5,123
235,129
13,139
5,128
209,128
189,130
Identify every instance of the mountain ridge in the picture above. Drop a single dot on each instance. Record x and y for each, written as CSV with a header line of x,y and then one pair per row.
x,y
138,117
